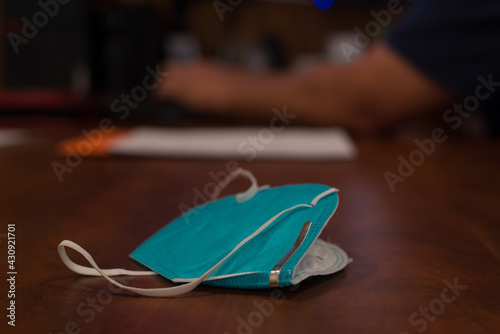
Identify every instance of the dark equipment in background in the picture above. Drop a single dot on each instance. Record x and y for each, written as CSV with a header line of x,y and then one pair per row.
x,y
53,54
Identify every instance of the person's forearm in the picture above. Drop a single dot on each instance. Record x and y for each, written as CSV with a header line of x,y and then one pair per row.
x,y
325,96
378,90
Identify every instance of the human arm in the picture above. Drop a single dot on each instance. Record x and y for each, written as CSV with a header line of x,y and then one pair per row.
x,y
379,89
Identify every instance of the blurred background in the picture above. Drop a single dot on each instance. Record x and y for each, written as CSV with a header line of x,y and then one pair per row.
x,y
74,57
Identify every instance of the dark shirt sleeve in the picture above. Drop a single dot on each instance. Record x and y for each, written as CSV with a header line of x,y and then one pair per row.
x,y
452,41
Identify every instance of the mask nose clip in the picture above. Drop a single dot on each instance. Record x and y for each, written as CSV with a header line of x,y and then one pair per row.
x,y
275,273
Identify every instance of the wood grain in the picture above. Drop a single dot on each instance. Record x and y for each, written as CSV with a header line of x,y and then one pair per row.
x,y
440,225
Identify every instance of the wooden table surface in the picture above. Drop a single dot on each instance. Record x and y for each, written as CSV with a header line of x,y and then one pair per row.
x,y
426,256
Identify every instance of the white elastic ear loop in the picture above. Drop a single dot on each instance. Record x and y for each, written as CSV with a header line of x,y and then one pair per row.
x,y
323,194
91,271
244,196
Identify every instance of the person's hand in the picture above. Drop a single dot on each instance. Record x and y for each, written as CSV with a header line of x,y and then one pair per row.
x,y
200,85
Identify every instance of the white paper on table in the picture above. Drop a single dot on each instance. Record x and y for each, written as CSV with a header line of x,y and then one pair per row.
x,y
240,143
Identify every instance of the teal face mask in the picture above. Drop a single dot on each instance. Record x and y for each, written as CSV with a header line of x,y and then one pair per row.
x,y
264,237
